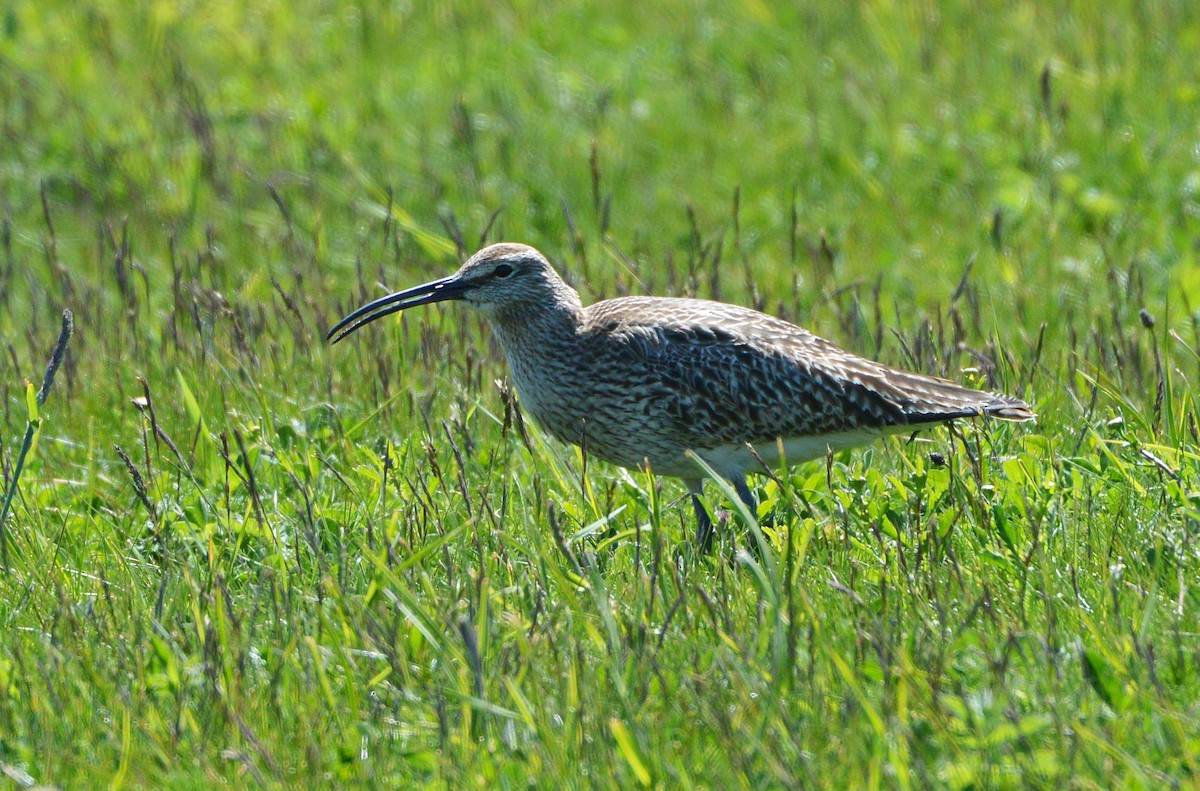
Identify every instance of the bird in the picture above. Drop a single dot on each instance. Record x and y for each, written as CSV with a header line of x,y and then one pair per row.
x,y
657,382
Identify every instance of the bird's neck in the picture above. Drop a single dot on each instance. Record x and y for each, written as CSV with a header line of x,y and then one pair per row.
x,y
556,318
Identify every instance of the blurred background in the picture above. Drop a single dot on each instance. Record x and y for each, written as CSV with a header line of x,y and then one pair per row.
x,y
806,147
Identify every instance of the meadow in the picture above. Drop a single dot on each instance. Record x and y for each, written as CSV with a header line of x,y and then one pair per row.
x,y
235,556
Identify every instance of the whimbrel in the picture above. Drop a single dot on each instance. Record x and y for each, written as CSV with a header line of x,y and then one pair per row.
x,y
640,381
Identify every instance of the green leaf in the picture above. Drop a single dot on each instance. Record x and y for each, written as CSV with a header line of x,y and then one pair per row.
x,y
629,750
1104,678
31,404
189,400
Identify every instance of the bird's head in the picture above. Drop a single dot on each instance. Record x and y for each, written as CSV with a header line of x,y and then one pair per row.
x,y
503,282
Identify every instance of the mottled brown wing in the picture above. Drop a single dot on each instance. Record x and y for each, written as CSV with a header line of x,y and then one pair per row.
x,y
723,373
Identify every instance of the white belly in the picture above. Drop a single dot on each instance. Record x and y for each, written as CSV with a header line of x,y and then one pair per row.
x,y
734,461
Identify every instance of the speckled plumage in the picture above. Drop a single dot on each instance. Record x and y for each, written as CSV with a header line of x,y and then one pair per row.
x,y
642,380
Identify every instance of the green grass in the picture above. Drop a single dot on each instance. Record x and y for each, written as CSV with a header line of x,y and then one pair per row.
x,y
237,556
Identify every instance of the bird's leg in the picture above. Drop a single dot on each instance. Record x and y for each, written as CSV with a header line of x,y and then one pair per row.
x,y
746,496
704,524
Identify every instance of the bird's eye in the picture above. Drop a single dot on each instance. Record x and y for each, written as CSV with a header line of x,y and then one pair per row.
x,y
504,270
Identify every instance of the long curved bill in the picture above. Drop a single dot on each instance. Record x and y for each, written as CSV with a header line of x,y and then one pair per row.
x,y
437,291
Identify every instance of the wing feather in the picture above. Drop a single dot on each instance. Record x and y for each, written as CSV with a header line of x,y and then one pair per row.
x,y
723,373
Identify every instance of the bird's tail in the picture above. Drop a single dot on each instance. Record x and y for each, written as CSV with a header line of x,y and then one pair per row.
x,y
928,399
1006,408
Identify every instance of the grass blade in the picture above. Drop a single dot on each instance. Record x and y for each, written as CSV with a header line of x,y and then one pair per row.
x,y
32,425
